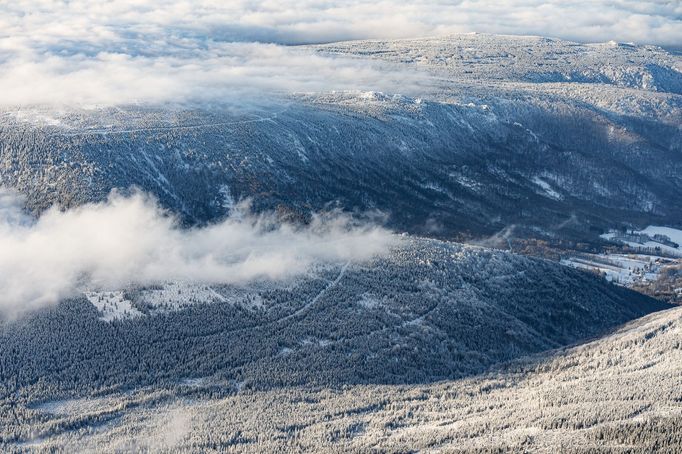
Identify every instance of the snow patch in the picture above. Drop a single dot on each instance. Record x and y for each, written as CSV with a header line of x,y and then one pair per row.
x,y
369,302
648,239
674,234
547,189
228,201
112,305
178,295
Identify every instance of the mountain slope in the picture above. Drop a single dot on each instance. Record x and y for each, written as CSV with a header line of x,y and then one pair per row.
x,y
429,311
354,360
586,140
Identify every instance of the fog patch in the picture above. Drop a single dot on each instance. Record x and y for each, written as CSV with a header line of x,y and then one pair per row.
x,y
130,240
499,240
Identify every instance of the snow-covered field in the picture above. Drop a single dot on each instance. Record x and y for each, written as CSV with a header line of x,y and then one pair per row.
x,y
176,295
674,234
650,244
170,296
112,305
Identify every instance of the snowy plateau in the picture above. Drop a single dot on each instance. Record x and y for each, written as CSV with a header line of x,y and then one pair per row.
x,y
517,307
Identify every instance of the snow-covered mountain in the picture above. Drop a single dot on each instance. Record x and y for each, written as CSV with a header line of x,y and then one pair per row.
x,y
430,345
504,131
427,312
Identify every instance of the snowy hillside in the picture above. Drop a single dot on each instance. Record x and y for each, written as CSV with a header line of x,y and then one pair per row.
x,y
401,334
502,131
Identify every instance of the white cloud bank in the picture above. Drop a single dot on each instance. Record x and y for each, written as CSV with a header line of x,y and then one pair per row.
x,y
91,52
130,240
227,73
71,24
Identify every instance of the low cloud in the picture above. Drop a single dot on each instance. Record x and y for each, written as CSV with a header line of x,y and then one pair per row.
x,y
225,73
94,53
130,240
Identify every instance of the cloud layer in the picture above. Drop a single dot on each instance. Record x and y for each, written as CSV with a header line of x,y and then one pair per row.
x,y
225,73
130,240
87,52
89,25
